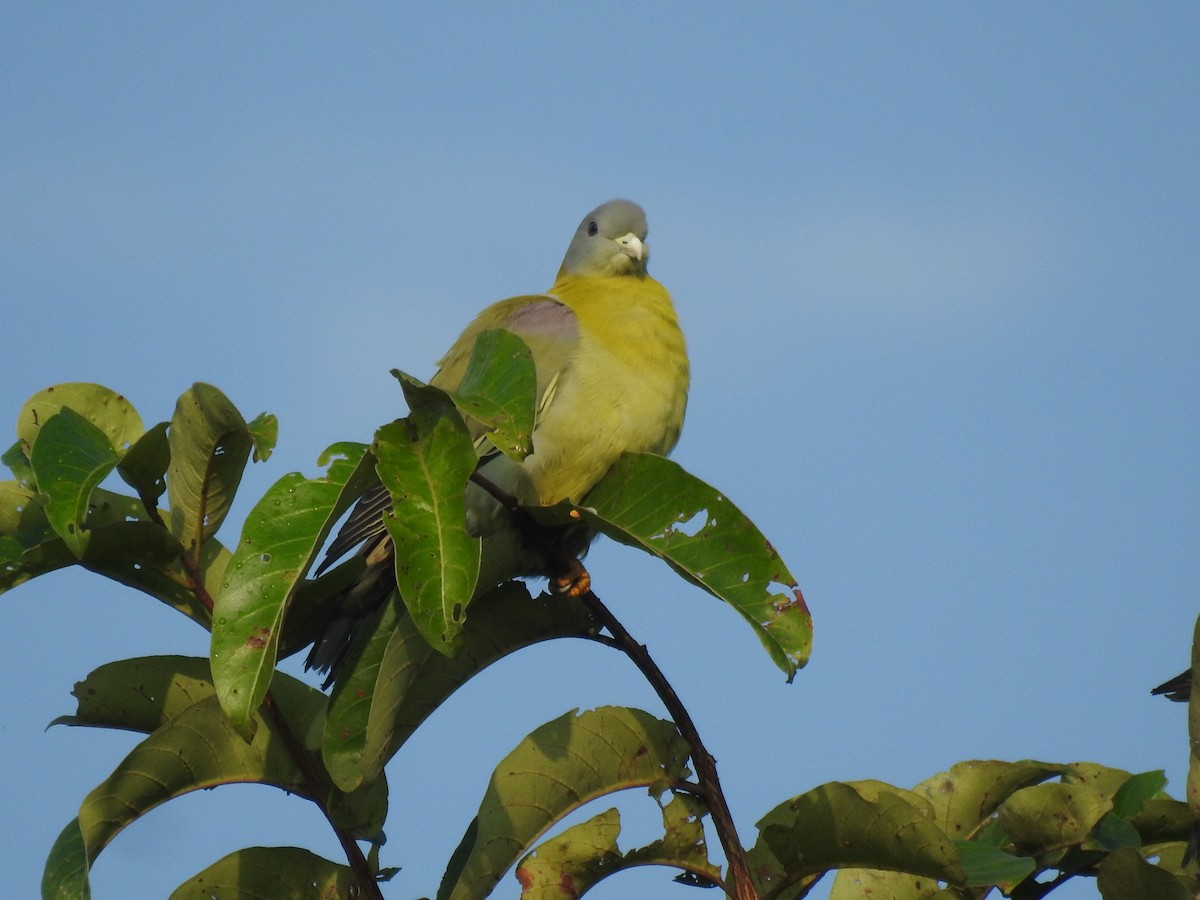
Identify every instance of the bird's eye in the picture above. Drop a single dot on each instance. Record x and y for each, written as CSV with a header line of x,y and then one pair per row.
x,y
593,228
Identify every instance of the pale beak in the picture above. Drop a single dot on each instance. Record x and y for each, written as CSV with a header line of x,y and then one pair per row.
x,y
631,245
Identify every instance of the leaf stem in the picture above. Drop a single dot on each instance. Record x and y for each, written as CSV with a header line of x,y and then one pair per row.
x,y
363,874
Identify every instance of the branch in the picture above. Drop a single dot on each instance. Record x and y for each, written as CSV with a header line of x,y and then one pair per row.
x,y
566,569
363,873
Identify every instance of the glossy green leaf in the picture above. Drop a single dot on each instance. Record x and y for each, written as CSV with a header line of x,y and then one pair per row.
x,y
964,797
425,461
868,826
556,769
1137,791
264,432
209,445
1111,833
144,467
280,873
399,679
498,391
1124,875
1050,816
104,408
282,536
70,458
650,502
65,876
986,865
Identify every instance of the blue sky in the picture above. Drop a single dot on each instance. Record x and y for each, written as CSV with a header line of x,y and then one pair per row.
x,y
937,266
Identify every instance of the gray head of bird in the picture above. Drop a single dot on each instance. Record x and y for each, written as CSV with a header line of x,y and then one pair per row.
x,y
611,240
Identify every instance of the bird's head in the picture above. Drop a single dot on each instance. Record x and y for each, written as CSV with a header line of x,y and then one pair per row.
x,y
611,240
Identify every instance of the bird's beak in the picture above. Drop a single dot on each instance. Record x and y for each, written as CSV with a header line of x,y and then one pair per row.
x,y
631,245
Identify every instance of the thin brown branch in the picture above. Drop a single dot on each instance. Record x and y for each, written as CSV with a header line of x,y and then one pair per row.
x,y
368,885
737,882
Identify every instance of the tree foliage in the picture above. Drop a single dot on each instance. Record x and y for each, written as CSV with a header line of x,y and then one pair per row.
x,y
1020,828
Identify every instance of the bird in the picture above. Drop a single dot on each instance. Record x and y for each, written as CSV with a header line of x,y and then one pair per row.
x,y
612,378
1178,688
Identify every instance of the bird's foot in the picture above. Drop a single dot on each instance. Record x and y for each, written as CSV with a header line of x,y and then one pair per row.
x,y
575,582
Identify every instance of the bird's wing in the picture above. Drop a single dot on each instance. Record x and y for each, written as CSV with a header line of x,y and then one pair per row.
x,y
550,329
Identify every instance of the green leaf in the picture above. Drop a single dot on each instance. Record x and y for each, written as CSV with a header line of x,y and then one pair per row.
x,y
964,798
986,865
198,748
147,557
209,447
836,825
17,459
399,680
682,845
1111,833
1163,819
139,694
1052,816
144,467
104,408
555,770
281,537
70,458
873,884
569,864
425,461
65,876
122,545
498,391
264,432
1136,791
1124,875
649,502
281,873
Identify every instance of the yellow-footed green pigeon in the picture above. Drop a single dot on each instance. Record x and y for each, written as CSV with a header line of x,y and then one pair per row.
x,y
612,378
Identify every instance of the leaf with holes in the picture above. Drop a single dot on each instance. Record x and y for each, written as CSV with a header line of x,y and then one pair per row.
x,y
651,503
281,537
144,467
555,770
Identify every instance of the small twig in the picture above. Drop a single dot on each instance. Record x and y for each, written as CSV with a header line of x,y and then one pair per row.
x,y
363,874
313,782
737,882
738,879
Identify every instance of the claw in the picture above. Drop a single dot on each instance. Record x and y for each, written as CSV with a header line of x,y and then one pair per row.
x,y
575,582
